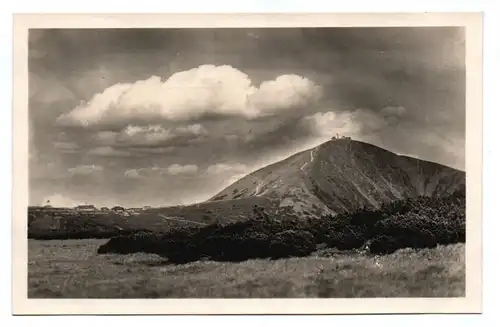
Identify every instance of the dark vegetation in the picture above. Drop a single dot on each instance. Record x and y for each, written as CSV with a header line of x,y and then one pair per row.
x,y
47,226
421,222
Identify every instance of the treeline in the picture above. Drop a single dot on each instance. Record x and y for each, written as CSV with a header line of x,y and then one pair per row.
x,y
417,223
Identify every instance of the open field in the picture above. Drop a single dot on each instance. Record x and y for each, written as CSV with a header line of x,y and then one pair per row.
x,y
71,269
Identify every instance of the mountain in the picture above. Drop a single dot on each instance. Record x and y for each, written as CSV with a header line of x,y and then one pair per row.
x,y
338,176
343,175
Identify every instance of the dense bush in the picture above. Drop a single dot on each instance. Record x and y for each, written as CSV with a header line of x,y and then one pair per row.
x,y
417,231
292,243
254,238
417,223
74,235
131,243
348,238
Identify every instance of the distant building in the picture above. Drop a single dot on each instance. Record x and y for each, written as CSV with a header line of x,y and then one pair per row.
x,y
118,209
146,207
104,209
134,211
86,208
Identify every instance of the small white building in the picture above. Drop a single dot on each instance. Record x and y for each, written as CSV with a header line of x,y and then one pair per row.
x,y
86,208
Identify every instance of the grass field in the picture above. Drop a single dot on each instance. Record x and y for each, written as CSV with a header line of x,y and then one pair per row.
x,y
71,269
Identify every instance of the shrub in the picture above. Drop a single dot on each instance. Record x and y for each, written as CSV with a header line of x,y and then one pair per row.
x,y
348,238
136,242
384,244
292,243
227,247
417,230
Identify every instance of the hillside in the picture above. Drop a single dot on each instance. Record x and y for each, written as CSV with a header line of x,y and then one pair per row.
x,y
342,175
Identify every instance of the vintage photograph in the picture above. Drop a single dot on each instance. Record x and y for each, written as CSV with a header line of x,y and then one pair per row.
x,y
251,162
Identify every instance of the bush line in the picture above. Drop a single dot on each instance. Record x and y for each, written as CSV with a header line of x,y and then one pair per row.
x,y
422,222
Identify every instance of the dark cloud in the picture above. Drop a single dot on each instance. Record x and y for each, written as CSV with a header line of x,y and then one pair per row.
x,y
400,88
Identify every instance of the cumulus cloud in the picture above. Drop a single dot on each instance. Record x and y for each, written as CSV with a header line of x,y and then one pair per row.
x,y
228,173
222,168
398,111
357,123
66,147
329,123
85,169
108,151
192,94
177,169
132,173
284,92
154,134
155,171
148,135
140,151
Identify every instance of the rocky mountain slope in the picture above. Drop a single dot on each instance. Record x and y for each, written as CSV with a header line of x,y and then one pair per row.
x,y
343,175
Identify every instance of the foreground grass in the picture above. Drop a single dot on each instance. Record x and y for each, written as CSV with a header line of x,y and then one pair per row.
x,y
71,269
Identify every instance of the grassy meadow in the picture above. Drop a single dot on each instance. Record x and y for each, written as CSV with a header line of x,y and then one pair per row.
x,y
72,269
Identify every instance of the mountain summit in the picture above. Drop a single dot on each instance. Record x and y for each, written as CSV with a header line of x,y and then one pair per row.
x,y
343,175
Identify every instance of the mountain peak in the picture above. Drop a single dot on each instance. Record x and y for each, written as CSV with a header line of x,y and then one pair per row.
x,y
342,175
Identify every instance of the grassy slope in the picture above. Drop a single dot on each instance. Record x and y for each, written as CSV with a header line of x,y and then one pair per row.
x,y
71,269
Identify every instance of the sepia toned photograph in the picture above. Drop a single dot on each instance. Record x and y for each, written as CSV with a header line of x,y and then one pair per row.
x,y
249,162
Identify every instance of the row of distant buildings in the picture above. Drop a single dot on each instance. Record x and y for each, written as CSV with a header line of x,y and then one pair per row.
x,y
88,209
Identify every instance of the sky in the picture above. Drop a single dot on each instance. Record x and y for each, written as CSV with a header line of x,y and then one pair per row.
x,y
138,117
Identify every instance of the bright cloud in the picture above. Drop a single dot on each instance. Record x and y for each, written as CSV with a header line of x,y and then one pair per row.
x,y
230,173
85,169
132,173
66,146
192,94
393,111
108,151
351,123
222,168
330,123
177,169
144,135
